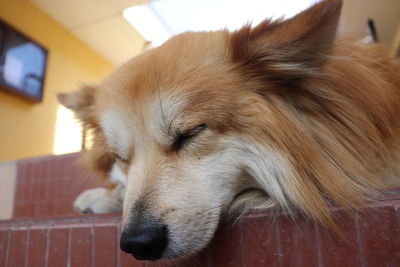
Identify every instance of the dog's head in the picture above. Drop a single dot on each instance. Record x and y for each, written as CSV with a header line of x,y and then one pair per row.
x,y
201,122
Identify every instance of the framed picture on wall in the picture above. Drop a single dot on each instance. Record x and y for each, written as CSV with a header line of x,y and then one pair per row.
x,y
22,64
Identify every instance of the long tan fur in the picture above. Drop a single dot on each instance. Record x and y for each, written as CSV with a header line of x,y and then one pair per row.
x,y
283,108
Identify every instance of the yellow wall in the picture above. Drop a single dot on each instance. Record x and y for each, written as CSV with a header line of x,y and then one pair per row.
x,y
26,128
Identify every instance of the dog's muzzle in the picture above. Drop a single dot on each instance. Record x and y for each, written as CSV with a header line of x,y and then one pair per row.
x,y
145,240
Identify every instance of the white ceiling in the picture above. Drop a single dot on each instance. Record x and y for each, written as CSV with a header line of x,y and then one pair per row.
x,y
100,24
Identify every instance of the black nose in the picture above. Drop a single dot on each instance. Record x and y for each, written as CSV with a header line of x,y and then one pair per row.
x,y
145,241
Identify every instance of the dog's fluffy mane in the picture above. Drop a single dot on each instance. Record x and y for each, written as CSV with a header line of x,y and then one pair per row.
x,y
336,104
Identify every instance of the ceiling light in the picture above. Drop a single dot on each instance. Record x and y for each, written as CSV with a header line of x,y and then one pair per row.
x,y
160,19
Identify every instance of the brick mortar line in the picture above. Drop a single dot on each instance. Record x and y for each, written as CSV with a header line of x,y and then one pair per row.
x,y
7,247
241,241
360,243
388,203
16,183
270,215
397,210
26,253
279,251
58,226
99,220
47,247
69,236
65,220
92,246
118,256
46,200
318,243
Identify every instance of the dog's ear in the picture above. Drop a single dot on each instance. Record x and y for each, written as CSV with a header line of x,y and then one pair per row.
x,y
286,51
81,102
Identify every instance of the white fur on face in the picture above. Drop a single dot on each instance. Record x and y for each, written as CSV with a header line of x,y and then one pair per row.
x,y
199,190
164,118
116,175
189,193
268,167
212,183
119,131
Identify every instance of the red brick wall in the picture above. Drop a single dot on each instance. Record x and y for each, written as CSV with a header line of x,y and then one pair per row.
x,y
47,186
372,239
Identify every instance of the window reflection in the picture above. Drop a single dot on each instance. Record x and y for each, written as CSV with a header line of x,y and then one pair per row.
x,y
23,68
22,63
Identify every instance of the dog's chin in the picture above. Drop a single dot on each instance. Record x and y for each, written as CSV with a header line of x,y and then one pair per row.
x,y
192,237
184,252
187,240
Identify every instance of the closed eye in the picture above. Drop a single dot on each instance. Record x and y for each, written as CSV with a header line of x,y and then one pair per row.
x,y
182,138
123,160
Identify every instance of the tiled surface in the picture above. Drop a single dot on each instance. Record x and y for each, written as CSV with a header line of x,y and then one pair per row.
x,y
47,186
380,236
7,187
16,248
105,246
3,246
294,236
261,242
81,247
371,239
58,246
341,251
36,252
226,247
64,241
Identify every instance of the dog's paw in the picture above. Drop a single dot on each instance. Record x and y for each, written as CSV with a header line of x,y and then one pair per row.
x,y
97,200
